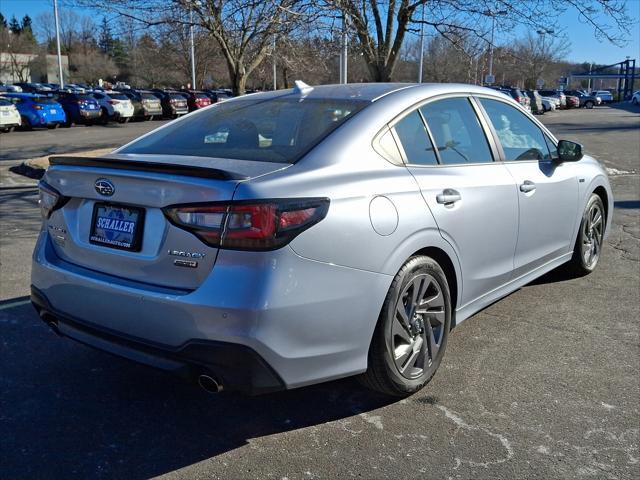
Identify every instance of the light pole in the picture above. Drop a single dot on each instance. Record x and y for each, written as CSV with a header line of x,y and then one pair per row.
x,y
275,70
343,54
193,51
421,47
542,33
55,14
493,16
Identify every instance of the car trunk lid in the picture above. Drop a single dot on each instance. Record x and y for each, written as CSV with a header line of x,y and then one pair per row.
x,y
107,195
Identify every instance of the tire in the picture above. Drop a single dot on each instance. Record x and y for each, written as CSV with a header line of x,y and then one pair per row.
x,y
52,126
588,246
588,104
634,101
402,359
25,124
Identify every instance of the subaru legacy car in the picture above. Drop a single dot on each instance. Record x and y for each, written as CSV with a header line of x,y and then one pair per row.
x,y
292,237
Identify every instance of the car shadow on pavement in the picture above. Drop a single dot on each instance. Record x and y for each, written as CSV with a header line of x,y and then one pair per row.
x,y
68,411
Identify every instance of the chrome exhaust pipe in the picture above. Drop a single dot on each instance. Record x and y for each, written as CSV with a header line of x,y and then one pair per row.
x,y
209,384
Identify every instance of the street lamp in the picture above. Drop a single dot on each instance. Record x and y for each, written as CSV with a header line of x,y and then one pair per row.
x,y
493,16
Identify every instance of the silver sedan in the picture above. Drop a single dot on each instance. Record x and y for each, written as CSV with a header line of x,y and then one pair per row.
x,y
287,238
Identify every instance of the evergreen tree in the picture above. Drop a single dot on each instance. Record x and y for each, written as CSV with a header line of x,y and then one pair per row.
x,y
14,25
106,40
26,24
3,21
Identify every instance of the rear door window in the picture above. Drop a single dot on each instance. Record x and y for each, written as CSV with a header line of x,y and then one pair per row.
x,y
521,139
457,132
415,141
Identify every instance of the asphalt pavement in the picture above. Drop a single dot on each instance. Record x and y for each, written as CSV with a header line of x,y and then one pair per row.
x,y
23,144
542,384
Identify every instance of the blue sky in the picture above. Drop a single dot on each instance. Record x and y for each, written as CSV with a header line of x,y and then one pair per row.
x,y
584,46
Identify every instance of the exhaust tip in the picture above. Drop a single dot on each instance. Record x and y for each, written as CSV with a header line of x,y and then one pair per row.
x,y
51,321
209,384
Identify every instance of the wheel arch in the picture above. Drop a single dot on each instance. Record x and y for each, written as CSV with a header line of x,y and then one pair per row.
x,y
445,262
602,193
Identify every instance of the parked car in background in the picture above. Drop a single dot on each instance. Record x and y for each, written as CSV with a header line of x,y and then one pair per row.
x,y
549,104
9,115
122,106
208,247
604,95
217,95
635,98
584,99
174,104
79,108
572,101
107,111
37,110
196,99
555,94
536,101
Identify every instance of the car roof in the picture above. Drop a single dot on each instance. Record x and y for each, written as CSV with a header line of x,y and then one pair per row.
x,y
371,92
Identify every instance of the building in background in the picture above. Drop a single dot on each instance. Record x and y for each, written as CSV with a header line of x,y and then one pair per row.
x,y
31,67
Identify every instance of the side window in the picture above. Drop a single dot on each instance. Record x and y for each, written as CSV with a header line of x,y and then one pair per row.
x,y
457,131
415,141
553,150
521,139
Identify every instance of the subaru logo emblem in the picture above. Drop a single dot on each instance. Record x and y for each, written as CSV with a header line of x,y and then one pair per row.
x,y
104,187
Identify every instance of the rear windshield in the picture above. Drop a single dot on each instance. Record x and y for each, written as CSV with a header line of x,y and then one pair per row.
x,y
177,96
84,97
277,130
149,96
45,100
4,102
118,96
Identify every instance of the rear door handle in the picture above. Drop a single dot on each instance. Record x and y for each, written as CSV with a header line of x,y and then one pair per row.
x,y
527,186
448,196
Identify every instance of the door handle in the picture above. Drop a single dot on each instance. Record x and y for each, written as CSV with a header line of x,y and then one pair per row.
x,y
448,196
527,186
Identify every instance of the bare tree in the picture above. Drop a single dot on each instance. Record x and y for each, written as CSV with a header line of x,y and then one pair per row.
x,y
243,29
382,25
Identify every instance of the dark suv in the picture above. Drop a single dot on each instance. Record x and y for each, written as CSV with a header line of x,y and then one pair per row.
x,y
78,107
173,103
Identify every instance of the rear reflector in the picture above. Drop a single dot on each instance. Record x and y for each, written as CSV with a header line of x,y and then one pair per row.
x,y
249,225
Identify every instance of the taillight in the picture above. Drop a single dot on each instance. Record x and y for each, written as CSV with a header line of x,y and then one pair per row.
x,y
49,199
249,225
35,106
112,102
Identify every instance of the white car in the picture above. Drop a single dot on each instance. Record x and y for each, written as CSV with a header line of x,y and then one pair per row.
x,y
122,106
635,99
550,103
9,116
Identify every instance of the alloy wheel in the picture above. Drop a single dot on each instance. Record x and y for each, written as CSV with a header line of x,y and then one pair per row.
x,y
592,231
418,326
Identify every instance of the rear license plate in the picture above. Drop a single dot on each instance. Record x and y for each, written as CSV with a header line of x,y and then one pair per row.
x,y
5,114
117,226
52,110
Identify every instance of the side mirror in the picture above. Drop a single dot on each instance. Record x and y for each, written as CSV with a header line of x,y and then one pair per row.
x,y
569,151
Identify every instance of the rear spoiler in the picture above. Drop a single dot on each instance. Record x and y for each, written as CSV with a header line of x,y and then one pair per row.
x,y
142,166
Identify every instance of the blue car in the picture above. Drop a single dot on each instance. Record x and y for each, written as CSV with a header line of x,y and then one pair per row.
x,y
79,107
37,110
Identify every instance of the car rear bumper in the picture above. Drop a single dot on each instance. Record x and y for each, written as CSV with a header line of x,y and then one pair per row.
x,y
308,321
235,367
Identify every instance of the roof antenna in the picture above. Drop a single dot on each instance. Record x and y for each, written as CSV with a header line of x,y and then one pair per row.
x,y
301,88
